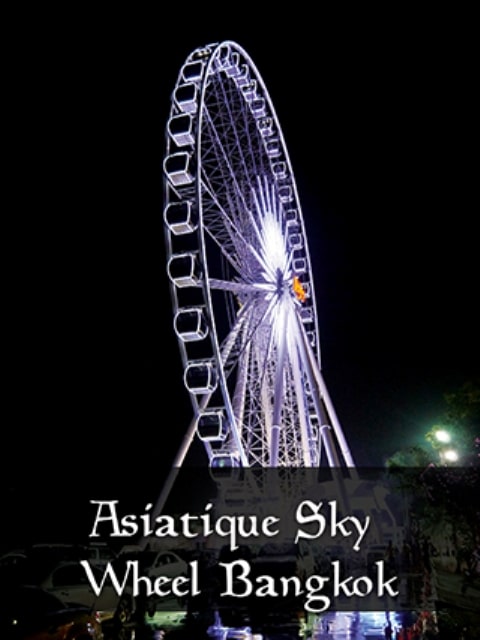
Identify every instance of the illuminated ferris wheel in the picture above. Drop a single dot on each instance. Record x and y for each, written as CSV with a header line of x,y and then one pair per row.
x,y
243,298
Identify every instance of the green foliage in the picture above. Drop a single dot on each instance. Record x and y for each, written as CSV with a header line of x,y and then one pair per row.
x,y
463,405
445,494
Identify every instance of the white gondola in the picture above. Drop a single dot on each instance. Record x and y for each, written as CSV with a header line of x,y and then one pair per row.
x,y
190,324
231,65
285,193
180,128
212,426
250,90
295,241
299,265
273,148
307,289
243,77
258,107
184,270
224,460
192,71
306,314
291,217
185,97
225,467
178,168
200,377
265,126
279,170
221,60
180,218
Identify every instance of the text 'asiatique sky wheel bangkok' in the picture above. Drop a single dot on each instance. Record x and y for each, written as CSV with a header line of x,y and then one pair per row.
x,y
238,262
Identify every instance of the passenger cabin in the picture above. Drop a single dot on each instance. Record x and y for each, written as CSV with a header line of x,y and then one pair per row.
x,y
185,97
258,107
295,241
250,90
184,270
279,170
299,265
178,168
306,314
200,377
265,126
193,71
190,324
212,426
285,193
243,77
225,467
180,218
180,129
272,147
231,66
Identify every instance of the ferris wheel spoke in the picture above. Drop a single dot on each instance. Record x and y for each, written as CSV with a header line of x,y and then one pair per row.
x,y
231,239
248,398
256,412
241,287
239,217
219,226
300,376
255,312
255,359
220,168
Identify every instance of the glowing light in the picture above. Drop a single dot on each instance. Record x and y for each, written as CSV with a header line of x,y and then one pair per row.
x,y
442,436
298,289
273,254
450,455
274,244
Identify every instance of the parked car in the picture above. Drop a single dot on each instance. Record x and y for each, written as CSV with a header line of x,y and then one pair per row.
x,y
31,564
69,582
12,558
168,564
100,554
13,566
30,613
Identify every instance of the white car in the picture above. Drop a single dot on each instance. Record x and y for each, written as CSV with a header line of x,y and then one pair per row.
x,y
69,582
13,558
100,554
168,564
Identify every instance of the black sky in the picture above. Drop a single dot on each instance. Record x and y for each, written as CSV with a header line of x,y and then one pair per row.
x,y
379,118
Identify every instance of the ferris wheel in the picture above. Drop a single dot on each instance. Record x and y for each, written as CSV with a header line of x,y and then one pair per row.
x,y
241,283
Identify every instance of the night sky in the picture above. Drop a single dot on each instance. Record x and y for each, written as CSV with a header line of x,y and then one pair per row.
x,y
378,118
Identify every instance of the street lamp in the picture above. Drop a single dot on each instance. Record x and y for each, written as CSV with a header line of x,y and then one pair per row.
x,y
449,455
442,436
442,439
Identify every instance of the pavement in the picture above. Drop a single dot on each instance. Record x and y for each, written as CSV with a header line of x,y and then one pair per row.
x,y
451,589
331,626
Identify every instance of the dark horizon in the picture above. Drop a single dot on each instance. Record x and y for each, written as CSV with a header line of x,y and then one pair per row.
x,y
381,154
